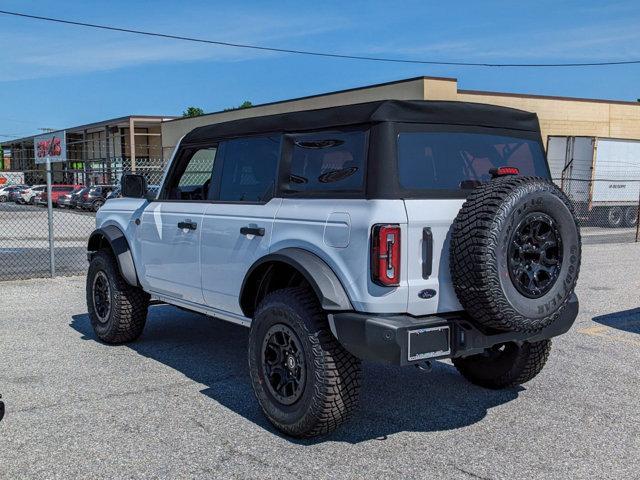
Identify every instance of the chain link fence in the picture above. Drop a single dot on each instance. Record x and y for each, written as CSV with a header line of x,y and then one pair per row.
x,y
607,210
29,248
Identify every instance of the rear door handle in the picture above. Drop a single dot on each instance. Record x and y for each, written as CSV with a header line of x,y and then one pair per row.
x,y
427,252
258,232
187,225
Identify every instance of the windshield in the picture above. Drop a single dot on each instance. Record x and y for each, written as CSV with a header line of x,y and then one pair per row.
x,y
462,161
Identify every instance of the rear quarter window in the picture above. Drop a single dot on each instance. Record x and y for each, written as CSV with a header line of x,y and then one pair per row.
x,y
329,161
461,161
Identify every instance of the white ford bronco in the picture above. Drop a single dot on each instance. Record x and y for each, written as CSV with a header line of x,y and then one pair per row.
x,y
393,231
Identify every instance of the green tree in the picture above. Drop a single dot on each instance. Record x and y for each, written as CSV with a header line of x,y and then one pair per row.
x,y
245,104
193,112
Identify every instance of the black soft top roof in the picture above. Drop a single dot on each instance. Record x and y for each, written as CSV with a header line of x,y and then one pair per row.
x,y
404,111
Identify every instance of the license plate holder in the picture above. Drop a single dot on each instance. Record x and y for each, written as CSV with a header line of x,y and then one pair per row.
x,y
430,342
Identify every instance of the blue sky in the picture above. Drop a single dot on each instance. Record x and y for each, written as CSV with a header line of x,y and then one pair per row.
x,y
56,76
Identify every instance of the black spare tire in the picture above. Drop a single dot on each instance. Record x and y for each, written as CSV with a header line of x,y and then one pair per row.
x,y
515,253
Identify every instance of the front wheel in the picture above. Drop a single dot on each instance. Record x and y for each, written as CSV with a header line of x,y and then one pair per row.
x,y
505,365
117,310
97,205
305,381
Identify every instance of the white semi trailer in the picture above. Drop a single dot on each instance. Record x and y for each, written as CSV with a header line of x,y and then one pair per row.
x,y
600,175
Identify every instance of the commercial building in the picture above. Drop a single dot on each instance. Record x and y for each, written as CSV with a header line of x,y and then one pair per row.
x,y
559,116
93,153
138,141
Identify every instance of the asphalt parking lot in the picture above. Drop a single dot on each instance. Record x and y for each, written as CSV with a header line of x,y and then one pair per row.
x,y
178,403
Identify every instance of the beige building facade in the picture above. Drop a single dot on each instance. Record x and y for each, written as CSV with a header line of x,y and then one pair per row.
x,y
559,116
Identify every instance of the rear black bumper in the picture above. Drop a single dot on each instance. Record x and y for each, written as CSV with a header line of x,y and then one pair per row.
x,y
388,338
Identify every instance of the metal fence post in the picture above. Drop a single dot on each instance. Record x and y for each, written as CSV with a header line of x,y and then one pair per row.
x,y
52,255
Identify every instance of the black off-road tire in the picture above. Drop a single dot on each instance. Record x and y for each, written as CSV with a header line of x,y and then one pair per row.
x,y
127,313
513,365
332,381
480,255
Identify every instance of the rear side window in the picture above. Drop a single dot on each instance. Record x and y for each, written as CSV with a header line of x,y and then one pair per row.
x,y
249,169
328,162
462,161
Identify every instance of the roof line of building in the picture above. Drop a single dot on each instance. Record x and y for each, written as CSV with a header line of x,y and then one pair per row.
x,y
89,125
424,77
334,92
547,97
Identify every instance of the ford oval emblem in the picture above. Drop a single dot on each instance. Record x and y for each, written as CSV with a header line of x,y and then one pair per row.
x,y
428,293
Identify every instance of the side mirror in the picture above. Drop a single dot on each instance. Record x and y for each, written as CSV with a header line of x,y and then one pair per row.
x,y
133,186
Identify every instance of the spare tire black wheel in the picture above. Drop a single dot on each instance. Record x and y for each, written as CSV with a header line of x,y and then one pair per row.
x,y
515,253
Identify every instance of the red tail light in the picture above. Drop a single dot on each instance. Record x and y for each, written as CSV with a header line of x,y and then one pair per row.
x,y
385,255
504,171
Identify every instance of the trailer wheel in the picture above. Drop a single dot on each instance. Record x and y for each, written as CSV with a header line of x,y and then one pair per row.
x,y
615,217
631,216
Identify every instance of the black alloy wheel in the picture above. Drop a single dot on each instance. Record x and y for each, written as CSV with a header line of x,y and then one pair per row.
x,y
305,381
101,296
283,364
535,255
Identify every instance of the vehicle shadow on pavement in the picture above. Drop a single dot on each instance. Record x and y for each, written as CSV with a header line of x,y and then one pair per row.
x,y
626,320
393,399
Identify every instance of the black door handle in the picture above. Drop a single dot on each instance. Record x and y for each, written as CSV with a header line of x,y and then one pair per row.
x,y
427,252
259,232
188,225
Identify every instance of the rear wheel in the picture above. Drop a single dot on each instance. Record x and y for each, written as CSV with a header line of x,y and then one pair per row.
x,y
615,217
118,311
305,382
631,216
505,365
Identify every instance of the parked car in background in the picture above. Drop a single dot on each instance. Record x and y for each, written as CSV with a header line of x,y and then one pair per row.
x,y
96,197
70,200
152,192
28,194
6,191
57,191
14,195
115,193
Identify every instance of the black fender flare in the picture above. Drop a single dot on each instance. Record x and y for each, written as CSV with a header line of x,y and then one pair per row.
x,y
116,240
317,273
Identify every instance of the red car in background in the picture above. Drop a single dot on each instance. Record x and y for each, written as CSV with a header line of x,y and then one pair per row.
x,y
57,191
